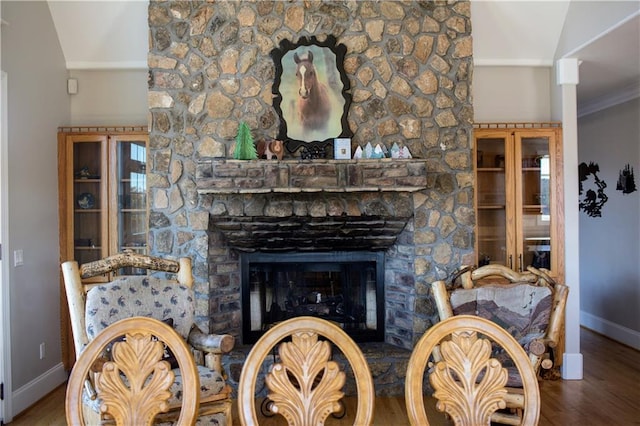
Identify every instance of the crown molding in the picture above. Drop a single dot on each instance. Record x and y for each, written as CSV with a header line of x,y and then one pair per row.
x,y
116,65
609,100
512,62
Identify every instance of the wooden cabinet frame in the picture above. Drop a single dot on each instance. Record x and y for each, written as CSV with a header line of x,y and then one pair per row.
x,y
515,165
101,180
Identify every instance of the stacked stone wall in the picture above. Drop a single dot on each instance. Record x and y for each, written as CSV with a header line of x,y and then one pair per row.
x,y
409,64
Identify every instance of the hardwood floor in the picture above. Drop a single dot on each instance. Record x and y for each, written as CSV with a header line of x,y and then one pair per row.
x,y
608,395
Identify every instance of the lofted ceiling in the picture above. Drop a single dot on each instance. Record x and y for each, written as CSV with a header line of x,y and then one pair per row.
x,y
114,35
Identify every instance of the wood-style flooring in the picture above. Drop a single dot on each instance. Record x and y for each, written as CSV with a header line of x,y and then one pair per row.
x,y
609,395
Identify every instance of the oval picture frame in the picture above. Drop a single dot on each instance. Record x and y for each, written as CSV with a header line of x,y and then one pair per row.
x,y
311,94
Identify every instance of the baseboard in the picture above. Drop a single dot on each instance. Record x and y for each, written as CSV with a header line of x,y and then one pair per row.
x,y
37,388
572,368
610,329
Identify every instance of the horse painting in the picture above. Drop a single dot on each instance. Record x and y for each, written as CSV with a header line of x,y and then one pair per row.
x,y
314,104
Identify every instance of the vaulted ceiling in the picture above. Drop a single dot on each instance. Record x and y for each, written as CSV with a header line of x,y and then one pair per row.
x,y
113,35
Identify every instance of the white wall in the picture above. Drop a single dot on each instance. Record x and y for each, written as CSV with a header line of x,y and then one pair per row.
x,y
37,105
584,21
610,245
110,98
511,94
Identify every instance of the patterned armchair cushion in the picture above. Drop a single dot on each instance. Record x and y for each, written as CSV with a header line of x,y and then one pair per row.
x,y
139,296
521,308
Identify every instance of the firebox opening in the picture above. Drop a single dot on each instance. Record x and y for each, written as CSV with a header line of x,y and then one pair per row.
x,y
343,287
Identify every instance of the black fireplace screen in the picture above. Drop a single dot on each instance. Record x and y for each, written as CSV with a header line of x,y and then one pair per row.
x,y
343,287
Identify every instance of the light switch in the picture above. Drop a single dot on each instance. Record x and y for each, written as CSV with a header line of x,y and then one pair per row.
x,y
18,258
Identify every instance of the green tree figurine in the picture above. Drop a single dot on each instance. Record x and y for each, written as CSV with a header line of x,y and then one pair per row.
x,y
245,148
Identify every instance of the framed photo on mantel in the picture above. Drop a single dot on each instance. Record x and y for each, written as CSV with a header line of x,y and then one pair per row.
x,y
310,93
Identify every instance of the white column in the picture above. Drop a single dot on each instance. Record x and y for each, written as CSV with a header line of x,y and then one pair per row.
x,y
567,77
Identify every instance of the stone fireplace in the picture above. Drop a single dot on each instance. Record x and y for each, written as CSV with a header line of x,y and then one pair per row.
x,y
409,64
318,208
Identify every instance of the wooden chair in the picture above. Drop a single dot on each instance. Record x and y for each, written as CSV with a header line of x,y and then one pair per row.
x,y
134,386
166,296
533,298
530,305
469,385
305,386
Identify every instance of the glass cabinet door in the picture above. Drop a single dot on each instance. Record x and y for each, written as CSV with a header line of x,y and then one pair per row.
x,y
517,192
88,199
130,188
533,161
492,199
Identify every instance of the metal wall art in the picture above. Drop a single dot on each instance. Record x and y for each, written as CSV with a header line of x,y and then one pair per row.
x,y
626,180
593,198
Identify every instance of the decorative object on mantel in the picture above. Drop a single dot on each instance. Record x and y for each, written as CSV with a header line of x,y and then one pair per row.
x,y
358,153
245,148
270,149
313,152
400,152
342,148
380,151
311,96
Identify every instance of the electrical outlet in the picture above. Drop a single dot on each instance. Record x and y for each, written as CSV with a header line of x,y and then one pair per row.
x,y
18,258
42,350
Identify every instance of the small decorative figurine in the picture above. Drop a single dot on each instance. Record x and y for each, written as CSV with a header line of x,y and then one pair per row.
x,y
270,149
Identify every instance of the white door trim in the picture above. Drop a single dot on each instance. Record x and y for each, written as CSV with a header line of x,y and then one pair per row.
x,y
5,296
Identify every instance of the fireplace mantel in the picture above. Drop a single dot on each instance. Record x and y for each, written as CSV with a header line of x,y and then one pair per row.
x,y
291,176
319,205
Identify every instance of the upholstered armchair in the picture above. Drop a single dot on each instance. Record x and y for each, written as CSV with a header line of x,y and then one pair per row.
x,y
529,305
93,307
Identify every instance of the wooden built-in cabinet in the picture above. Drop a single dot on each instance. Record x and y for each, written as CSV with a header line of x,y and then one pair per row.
x,y
102,188
519,195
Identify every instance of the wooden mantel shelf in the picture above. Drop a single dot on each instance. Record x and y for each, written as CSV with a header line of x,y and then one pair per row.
x,y
294,176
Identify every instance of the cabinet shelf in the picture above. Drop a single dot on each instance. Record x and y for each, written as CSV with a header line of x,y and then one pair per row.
x,y
490,169
490,239
84,211
491,206
87,180
87,248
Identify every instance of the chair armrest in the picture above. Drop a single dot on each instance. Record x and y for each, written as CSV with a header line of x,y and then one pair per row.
x,y
211,343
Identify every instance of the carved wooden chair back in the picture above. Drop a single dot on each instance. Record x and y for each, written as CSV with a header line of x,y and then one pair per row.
x,y
305,386
134,386
469,385
530,305
169,297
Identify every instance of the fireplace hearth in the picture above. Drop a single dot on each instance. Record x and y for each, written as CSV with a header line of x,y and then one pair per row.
x,y
343,287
